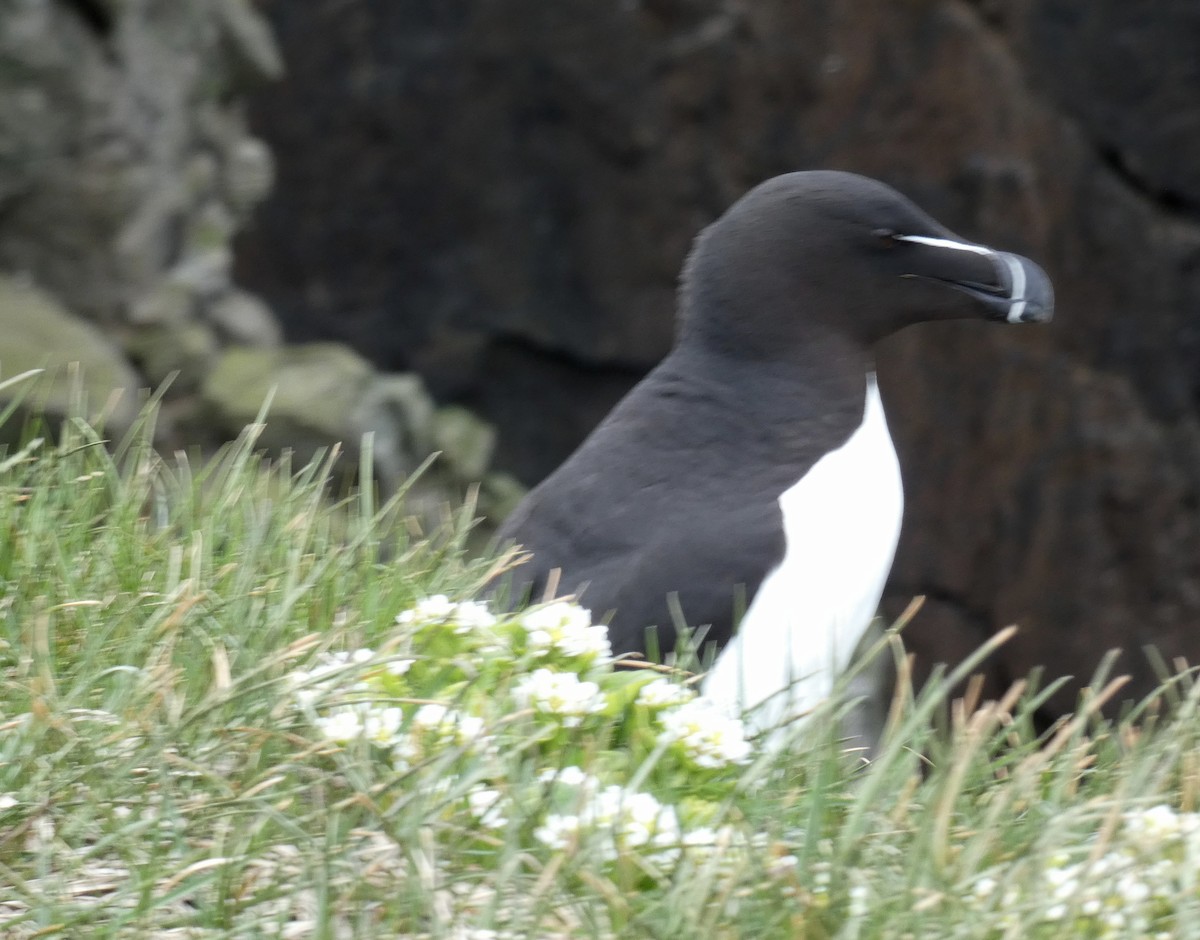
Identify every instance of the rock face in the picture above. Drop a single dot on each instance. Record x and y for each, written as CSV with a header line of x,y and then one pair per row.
x,y
500,195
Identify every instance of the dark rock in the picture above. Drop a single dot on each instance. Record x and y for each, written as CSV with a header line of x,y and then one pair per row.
x,y
1130,73
500,195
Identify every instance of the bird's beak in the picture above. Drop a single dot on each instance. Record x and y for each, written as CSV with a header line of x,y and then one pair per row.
x,y
1010,287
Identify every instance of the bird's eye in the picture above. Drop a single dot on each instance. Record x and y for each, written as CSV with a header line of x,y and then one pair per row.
x,y
885,236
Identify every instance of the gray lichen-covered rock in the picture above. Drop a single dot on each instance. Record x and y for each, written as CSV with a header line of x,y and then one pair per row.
x,y
466,442
36,332
182,354
322,394
242,319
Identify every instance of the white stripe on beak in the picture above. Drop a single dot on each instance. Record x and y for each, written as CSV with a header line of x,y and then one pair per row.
x,y
1018,289
945,243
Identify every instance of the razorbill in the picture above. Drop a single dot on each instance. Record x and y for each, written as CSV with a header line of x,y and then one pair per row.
x,y
752,469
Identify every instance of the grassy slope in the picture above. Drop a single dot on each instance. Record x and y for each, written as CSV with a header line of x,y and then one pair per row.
x,y
158,779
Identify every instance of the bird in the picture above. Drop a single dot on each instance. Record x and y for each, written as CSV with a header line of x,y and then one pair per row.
x,y
749,484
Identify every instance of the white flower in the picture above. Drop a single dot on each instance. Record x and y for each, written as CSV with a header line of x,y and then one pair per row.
x,y
568,776
860,894
1149,828
633,821
985,887
731,846
433,726
428,609
558,831
708,737
567,628
562,694
344,724
405,752
663,693
464,616
485,807
468,728
307,694
622,821
648,824
447,723
701,842
473,615
1063,881
399,667
310,685
432,717
1132,889
351,722
381,724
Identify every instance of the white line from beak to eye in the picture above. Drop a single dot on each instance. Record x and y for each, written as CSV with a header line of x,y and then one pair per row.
x,y
1018,289
945,243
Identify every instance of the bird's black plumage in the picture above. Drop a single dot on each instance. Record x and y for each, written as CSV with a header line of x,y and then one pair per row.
x,y
676,491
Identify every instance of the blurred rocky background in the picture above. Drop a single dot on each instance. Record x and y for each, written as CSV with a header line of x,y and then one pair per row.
x,y
126,168
480,209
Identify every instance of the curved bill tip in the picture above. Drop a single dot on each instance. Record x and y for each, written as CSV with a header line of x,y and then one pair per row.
x,y
1031,296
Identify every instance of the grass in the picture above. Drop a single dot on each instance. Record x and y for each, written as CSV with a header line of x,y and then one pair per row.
x,y
190,747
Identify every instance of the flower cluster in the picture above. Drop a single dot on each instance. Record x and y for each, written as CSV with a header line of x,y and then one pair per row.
x,y
707,737
561,694
1126,892
434,728
315,683
663,693
567,628
487,807
462,616
459,690
352,722
618,821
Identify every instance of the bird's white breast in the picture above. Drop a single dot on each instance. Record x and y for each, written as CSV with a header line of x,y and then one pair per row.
x,y
841,522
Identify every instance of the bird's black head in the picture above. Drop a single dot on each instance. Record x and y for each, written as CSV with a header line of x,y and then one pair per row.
x,y
835,254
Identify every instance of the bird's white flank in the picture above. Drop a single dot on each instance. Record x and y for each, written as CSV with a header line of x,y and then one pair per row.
x,y
841,523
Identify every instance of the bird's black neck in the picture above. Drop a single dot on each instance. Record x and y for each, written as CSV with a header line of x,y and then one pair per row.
x,y
775,404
